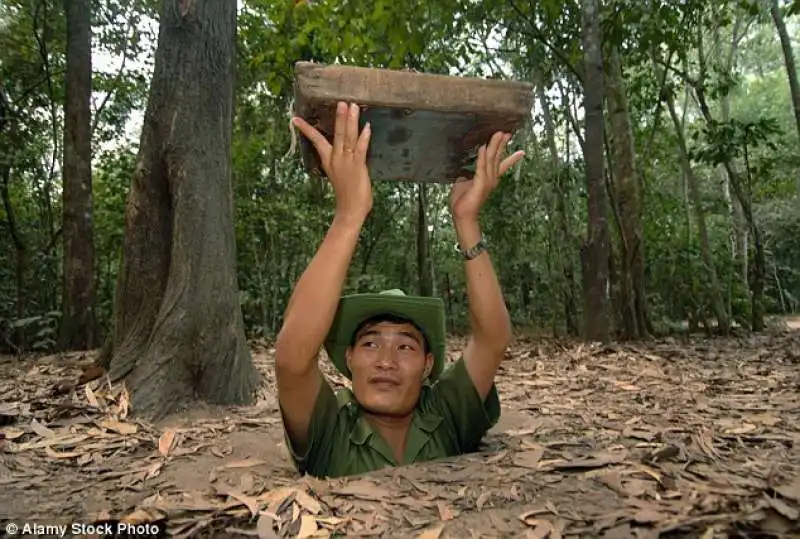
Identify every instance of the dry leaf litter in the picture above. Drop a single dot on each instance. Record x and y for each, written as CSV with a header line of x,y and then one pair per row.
x,y
672,438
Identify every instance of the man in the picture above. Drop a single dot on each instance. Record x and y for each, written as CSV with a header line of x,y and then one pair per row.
x,y
403,407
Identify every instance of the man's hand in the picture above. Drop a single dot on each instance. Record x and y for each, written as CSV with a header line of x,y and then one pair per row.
x,y
345,162
315,298
491,325
468,196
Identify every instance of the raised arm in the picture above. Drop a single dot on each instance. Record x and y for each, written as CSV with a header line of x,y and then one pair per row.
x,y
489,318
313,303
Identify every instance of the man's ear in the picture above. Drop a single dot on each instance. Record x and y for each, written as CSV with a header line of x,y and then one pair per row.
x,y
347,355
428,365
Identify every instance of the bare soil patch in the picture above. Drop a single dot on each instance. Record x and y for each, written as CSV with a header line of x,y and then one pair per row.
x,y
672,438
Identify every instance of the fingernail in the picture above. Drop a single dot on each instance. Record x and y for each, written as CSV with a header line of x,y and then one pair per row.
x,y
367,126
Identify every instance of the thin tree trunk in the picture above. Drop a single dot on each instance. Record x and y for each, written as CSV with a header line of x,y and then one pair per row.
x,y
78,324
425,277
594,252
789,61
629,202
758,278
717,301
565,253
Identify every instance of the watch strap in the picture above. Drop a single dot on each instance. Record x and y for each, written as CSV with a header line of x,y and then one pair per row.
x,y
474,251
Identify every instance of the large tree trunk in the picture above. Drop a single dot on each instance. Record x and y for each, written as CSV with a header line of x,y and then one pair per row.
x,y
629,203
179,332
594,252
78,324
788,58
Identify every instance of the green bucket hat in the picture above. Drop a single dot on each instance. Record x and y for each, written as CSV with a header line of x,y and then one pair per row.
x,y
426,312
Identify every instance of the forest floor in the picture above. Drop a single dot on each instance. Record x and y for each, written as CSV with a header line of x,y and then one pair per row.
x,y
678,437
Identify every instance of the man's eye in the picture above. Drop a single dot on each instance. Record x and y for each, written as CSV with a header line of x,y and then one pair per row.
x,y
368,344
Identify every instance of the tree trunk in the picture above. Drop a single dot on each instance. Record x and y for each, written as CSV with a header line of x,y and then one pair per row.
x,y
565,253
726,59
759,272
629,202
78,323
788,58
594,252
425,276
717,301
179,332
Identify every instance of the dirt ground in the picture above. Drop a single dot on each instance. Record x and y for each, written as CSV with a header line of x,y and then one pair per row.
x,y
671,438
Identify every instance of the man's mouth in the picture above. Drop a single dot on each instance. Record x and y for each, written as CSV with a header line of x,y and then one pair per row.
x,y
384,381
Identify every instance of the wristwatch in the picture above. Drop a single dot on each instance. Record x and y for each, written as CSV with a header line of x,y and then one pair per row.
x,y
472,252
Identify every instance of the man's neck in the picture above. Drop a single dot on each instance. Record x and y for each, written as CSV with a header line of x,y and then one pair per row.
x,y
393,430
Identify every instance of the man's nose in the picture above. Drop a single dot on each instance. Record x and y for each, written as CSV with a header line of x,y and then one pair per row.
x,y
386,360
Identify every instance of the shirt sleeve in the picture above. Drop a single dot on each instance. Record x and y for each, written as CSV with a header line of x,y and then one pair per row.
x,y
454,396
315,460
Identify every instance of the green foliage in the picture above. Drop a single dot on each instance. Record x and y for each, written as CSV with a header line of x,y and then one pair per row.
x,y
534,221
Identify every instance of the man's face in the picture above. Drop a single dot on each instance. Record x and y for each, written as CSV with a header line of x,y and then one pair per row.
x,y
388,365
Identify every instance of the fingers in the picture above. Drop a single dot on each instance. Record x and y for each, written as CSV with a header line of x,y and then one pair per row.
x,y
501,151
351,132
491,153
340,128
362,146
510,161
480,168
317,139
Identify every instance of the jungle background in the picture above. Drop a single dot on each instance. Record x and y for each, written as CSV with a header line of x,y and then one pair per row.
x,y
700,147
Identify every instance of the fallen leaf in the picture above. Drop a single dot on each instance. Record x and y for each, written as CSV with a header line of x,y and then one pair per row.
x,y
611,480
595,461
709,533
308,527
363,490
62,454
529,459
648,516
119,426
444,512
124,403
165,442
143,516
662,453
92,372
12,434
264,527
41,430
432,533
497,457
790,490
482,499
744,429
251,503
90,397
626,386
246,463
541,528
766,419
308,503
783,508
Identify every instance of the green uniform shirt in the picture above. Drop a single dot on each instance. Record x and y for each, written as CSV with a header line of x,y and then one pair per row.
x,y
450,419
